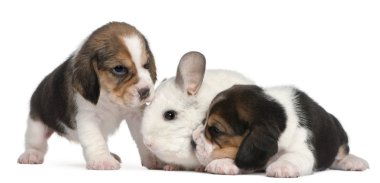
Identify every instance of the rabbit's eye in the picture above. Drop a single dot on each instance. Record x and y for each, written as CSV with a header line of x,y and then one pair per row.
x,y
170,115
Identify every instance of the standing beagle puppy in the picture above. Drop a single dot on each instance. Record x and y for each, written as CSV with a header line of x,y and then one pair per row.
x,y
108,79
280,130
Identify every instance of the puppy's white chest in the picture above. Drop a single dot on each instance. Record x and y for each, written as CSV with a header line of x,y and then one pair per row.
x,y
110,116
105,116
109,122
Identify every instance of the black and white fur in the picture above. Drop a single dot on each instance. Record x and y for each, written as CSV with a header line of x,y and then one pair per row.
x,y
291,136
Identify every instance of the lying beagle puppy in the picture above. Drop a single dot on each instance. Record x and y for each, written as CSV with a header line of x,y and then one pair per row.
x,y
280,130
108,79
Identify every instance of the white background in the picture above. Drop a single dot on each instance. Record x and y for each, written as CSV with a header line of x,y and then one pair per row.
x,y
330,49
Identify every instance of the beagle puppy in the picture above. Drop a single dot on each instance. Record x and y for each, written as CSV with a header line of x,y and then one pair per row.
x,y
109,78
280,130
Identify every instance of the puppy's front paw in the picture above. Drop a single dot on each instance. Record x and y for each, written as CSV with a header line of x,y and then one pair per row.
x,y
224,166
282,169
103,163
31,156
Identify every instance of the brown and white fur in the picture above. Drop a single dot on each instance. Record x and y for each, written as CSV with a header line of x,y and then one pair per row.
x,y
108,79
280,130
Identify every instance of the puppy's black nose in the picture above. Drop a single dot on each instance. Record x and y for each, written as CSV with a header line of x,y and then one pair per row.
x,y
144,93
193,144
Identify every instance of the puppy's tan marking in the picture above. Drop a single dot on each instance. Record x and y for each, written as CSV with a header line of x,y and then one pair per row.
x,y
227,144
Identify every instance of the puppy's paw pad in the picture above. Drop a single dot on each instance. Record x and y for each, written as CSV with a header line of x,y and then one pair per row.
x,y
103,163
31,157
222,166
282,169
351,163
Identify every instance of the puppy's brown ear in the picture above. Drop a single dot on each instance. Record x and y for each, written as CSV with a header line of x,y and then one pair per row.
x,y
256,149
85,80
190,72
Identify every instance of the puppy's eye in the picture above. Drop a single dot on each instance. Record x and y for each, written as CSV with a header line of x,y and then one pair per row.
x,y
147,65
120,70
214,131
170,115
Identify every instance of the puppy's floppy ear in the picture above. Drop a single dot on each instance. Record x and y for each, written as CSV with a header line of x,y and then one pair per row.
x,y
85,79
190,72
151,61
256,149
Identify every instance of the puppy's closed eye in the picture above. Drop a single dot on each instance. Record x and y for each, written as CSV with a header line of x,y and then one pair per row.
x,y
214,131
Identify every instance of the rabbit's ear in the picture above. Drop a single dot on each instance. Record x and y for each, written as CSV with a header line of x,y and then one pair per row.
x,y
190,72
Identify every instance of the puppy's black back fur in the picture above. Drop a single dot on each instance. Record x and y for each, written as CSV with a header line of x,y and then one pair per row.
x,y
52,101
327,133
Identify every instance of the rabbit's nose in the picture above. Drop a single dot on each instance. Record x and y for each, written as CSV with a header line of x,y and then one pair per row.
x,y
148,143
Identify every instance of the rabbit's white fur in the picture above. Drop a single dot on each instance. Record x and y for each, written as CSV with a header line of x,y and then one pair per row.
x,y
170,140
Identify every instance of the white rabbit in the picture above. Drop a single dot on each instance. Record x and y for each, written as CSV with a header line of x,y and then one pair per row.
x,y
179,106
